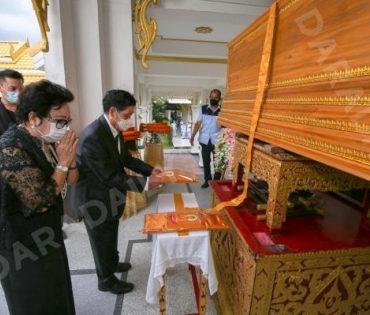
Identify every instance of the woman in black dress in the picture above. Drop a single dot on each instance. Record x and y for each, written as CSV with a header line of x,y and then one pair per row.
x,y
34,269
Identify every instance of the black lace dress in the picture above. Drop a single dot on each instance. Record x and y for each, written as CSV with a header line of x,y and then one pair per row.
x,y
34,269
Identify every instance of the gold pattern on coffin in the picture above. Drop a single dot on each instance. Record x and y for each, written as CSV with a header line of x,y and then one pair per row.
x,y
317,122
350,154
250,34
145,30
287,173
335,101
330,282
327,101
235,268
249,101
263,24
323,123
234,123
317,78
287,6
41,10
324,77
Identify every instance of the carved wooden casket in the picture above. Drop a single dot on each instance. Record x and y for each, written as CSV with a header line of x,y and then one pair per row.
x,y
317,95
299,79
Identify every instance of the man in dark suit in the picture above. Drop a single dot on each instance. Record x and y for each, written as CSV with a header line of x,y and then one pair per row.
x,y
103,183
11,85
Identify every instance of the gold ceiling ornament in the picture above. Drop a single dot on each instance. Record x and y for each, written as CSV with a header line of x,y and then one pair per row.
x,y
41,10
203,30
145,30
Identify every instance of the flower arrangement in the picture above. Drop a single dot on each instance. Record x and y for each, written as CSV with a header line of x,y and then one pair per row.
x,y
160,124
224,150
159,109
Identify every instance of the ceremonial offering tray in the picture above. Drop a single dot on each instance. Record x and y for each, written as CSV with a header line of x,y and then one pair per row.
x,y
178,176
177,222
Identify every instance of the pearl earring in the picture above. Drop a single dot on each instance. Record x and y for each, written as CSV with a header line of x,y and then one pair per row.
x,y
32,126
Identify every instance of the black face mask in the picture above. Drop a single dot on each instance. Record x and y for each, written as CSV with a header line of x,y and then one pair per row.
x,y
213,102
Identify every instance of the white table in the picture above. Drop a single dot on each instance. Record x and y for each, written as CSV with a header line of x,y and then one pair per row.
x,y
170,249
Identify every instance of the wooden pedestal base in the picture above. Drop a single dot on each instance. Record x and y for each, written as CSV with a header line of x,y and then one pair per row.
x,y
200,291
317,265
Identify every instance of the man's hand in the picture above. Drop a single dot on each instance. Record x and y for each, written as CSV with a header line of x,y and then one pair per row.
x,y
156,181
191,141
157,170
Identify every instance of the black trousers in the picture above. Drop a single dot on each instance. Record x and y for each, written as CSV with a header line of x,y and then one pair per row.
x,y
103,240
207,150
38,286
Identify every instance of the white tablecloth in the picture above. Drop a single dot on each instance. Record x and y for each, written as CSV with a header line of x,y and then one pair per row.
x,y
170,249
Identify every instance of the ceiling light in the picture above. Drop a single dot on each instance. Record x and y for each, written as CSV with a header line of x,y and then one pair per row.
x,y
203,30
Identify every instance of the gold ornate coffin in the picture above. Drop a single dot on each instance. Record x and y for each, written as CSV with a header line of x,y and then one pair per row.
x,y
316,100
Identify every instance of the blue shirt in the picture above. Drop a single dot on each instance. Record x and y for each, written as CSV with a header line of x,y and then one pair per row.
x,y
208,130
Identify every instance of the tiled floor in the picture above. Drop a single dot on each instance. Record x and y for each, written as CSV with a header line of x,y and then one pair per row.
x,y
135,247
184,162
178,142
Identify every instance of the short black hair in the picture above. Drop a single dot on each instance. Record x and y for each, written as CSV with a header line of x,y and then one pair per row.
x,y
118,98
40,97
10,73
217,91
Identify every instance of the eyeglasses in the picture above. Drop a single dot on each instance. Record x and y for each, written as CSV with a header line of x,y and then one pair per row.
x,y
59,123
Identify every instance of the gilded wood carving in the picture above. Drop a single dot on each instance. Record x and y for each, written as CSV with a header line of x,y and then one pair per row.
x,y
41,10
145,30
285,173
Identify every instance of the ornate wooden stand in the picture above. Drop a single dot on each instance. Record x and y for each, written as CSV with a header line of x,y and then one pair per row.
x,y
255,280
287,172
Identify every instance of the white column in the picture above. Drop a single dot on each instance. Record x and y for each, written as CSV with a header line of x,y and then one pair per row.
x,y
119,55
91,51
60,63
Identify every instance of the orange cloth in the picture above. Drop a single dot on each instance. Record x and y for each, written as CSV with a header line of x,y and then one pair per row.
x,y
155,127
183,220
131,134
177,222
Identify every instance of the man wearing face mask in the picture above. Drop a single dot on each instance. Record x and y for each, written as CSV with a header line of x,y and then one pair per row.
x,y
208,132
11,85
102,157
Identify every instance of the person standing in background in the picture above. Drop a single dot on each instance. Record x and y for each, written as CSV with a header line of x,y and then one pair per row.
x,y
208,131
11,85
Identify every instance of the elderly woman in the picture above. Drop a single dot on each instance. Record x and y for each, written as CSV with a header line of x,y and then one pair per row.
x,y
34,270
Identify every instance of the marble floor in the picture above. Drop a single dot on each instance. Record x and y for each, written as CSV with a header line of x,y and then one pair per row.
x,y
136,247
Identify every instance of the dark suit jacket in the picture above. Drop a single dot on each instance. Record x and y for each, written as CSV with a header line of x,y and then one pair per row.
x,y
103,183
7,118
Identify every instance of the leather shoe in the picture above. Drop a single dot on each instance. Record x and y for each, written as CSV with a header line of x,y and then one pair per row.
x,y
205,184
115,286
123,267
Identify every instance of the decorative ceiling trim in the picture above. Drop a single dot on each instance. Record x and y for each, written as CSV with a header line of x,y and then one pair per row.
x,y
190,40
145,30
183,59
41,10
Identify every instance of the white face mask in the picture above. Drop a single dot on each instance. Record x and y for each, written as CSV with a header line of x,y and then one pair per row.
x,y
54,134
12,97
124,124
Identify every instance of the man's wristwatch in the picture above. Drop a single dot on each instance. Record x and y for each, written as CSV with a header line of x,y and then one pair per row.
x,y
62,168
